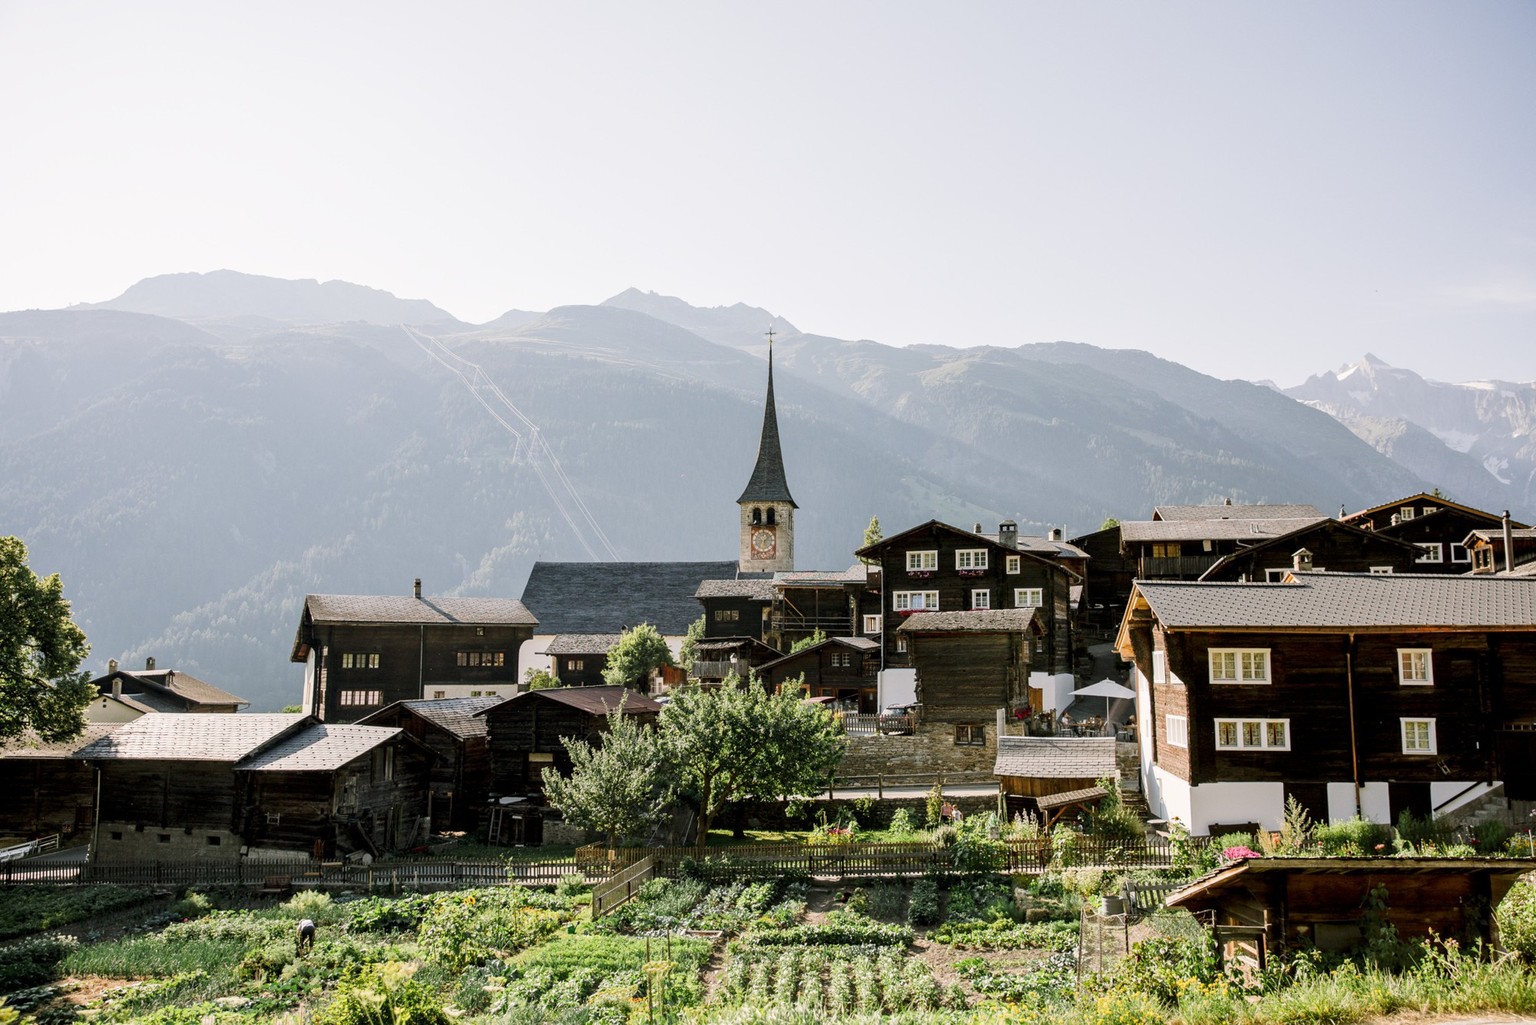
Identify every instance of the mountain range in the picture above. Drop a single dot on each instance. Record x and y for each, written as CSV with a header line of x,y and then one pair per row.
x,y
199,453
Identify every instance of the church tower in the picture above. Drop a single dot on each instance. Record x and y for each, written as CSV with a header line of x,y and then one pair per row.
x,y
767,539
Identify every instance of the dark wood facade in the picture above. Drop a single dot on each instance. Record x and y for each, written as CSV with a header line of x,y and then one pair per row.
x,y
524,734
460,777
47,791
1328,546
845,669
1437,525
966,671
1107,577
373,803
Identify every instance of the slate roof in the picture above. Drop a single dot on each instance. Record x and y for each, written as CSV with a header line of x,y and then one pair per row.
x,y
592,700
323,747
1423,496
978,621
1056,757
752,588
1297,537
1212,530
458,716
858,573
1223,511
767,483
859,644
29,746
609,597
1358,601
430,610
903,539
198,738
580,644
166,690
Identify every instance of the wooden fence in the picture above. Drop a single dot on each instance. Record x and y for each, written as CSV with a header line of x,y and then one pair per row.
x,y
610,894
412,874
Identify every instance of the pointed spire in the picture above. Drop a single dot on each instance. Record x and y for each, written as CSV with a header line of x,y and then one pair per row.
x,y
767,483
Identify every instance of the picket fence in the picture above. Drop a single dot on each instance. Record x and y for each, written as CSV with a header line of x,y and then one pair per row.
x,y
302,873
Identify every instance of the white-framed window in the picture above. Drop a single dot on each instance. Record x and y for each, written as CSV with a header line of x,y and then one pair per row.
x,y
1415,667
840,659
1028,597
1275,576
439,694
981,598
1013,564
915,601
1405,512
1459,552
1159,667
1239,665
901,644
1382,571
1177,733
1418,736
361,697
871,624
360,660
1483,558
1253,734
971,558
1432,551
922,561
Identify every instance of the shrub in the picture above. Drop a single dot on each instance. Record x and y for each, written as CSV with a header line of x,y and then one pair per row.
x,y
1238,839
1159,966
571,885
901,821
935,806
1490,836
33,961
314,905
887,900
1516,915
192,905
387,914
383,995
1353,838
923,908
466,928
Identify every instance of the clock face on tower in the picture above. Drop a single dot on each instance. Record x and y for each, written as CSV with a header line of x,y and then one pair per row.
x,y
763,543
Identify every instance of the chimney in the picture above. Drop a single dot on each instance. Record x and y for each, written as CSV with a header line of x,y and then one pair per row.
x,y
975,528
1509,544
1301,561
149,663
1396,519
1227,501
417,588
1008,534
1055,533
117,686
1342,513
111,665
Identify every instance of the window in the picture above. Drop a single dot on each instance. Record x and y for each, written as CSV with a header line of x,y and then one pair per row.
x,y
727,615
1405,512
1165,550
1431,550
1028,597
971,558
1418,736
1159,667
1459,552
967,735
901,644
915,601
1415,667
1012,563
359,660
383,764
361,697
1275,576
1253,734
922,561
476,659
840,659
1483,558
575,665
439,694
871,624
981,598
1381,571
1239,665
1178,731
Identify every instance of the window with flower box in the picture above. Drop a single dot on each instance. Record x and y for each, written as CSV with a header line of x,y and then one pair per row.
x,y
918,562
971,559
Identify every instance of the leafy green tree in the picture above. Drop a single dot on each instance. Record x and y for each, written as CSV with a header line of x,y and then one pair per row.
x,y
618,787
873,535
638,653
42,686
816,637
689,652
734,742
540,679
1109,521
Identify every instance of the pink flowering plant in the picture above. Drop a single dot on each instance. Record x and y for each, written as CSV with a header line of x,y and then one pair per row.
x,y
1239,853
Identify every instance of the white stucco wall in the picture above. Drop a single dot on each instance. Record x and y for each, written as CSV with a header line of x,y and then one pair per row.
x,y
897,687
1056,690
1375,805
1263,803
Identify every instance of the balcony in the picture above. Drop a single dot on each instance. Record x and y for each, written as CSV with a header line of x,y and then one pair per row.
x,y
1179,567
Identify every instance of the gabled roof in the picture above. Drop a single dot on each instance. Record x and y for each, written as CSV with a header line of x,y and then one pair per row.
x,y
1236,878
165,690
592,700
767,483
1341,601
581,644
1390,507
1056,757
904,538
750,588
197,738
1231,511
429,610
458,716
863,645
858,573
1138,531
1299,536
28,745
322,747
976,621
609,597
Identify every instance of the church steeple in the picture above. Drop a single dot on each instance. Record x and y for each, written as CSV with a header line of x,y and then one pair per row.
x,y
767,507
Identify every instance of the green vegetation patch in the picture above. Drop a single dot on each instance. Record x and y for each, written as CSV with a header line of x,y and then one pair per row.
x,y
28,909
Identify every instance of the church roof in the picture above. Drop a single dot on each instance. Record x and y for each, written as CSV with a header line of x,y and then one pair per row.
x,y
767,483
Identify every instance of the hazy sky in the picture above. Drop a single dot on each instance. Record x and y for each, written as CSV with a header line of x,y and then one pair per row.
x,y
1252,189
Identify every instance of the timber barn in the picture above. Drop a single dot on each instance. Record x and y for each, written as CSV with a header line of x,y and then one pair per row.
x,y
455,731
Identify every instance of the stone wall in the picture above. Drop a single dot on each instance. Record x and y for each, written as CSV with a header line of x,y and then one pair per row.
x,y
122,841
931,749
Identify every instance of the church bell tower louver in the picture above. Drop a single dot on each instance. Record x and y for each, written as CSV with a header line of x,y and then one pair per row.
x,y
767,535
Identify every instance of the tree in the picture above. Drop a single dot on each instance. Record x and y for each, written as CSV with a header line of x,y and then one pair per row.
x,y
638,653
736,742
690,647
42,687
1109,521
540,679
873,535
817,636
619,787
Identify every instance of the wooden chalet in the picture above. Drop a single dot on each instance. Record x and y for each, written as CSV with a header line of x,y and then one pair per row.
x,y
716,658
455,731
808,601
736,607
176,786
1438,526
844,669
47,789
526,734
1356,693
1327,545
1032,769
578,660
1498,551
362,652
127,694
1107,577
1180,542
1262,907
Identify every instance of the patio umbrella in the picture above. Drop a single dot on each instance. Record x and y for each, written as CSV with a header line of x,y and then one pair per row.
x,y
1105,689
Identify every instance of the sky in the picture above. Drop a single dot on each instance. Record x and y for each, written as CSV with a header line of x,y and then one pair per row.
x,y
1255,190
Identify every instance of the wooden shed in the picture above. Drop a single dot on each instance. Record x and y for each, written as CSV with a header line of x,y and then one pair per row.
x,y
454,729
47,789
1263,906
525,734
1031,768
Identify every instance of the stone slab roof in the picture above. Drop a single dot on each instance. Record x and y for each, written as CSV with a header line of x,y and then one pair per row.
x,y
978,621
751,588
1056,757
197,738
151,685
581,644
1223,511
592,700
322,747
1134,531
29,746
1347,601
858,573
610,597
458,716
429,610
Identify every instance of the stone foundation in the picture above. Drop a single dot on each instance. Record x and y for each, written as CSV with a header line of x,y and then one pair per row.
x,y
931,749
121,841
